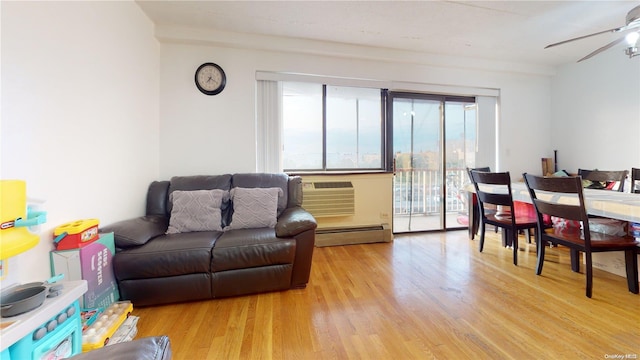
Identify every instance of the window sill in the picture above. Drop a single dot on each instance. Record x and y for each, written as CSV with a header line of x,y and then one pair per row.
x,y
337,173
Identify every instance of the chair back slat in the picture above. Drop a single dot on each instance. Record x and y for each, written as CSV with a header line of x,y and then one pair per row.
x,y
483,169
570,212
567,185
503,194
495,199
491,178
605,176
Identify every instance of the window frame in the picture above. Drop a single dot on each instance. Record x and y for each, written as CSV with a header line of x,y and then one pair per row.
x,y
269,120
384,126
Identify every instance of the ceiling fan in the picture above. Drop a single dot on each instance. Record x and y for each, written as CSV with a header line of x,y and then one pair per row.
x,y
632,22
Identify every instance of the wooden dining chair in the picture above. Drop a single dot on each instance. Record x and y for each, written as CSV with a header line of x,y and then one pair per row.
x,y
474,210
563,197
635,176
499,195
605,180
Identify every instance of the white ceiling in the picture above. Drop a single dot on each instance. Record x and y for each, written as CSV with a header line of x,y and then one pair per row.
x,y
508,31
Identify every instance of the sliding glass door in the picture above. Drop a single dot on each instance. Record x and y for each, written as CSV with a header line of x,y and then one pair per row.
x,y
433,139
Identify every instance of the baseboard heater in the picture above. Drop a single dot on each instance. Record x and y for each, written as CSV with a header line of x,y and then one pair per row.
x,y
353,235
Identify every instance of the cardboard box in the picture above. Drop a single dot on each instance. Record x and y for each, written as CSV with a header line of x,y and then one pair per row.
x,y
93,264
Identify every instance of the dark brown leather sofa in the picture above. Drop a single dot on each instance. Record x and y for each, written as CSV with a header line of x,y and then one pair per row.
x,y
152,267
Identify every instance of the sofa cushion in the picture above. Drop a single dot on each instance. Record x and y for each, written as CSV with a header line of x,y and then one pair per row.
x,y
167,255
248,248
251,280
254,208
196,210
263,180
202,182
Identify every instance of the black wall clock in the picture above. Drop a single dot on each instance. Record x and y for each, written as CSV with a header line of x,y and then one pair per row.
x,y
210,79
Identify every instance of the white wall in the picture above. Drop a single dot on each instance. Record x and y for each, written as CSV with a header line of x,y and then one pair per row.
x,y
596,113
202,134
216,134
80,87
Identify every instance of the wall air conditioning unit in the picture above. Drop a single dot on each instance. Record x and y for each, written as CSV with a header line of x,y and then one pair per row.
x,y
328,198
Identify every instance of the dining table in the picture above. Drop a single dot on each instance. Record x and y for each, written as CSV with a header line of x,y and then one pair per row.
x,y
603,203
598,202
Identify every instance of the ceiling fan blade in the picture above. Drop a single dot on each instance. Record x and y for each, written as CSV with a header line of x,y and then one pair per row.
x,y
609,45
586,36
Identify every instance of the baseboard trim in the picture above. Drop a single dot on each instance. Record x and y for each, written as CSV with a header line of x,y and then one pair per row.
x,y
354,235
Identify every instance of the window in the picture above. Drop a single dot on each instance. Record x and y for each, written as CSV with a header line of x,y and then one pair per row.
x,y
329,127
310,123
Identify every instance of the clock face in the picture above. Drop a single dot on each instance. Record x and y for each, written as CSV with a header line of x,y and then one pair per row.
x,y
210,79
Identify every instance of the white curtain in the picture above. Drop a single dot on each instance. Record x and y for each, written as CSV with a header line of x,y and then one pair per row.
x,y
269,127
487,141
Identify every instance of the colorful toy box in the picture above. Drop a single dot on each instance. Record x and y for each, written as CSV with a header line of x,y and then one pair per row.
x,y
91,262
75,234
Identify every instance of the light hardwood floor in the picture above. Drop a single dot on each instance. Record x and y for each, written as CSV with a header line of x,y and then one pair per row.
x,y
426,296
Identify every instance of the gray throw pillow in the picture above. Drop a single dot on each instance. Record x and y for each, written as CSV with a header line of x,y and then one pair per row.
x,y
254,208
197,210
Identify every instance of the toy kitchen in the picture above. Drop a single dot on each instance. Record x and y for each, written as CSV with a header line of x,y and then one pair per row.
x,y
39,320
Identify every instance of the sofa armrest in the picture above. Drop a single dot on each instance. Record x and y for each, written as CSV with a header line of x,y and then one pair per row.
x,y
137,231
293,221
149,348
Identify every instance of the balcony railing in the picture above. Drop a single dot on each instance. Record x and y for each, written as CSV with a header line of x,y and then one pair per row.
x,y
420,191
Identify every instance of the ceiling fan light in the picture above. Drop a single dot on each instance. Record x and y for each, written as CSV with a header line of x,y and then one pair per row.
x,y
632,38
